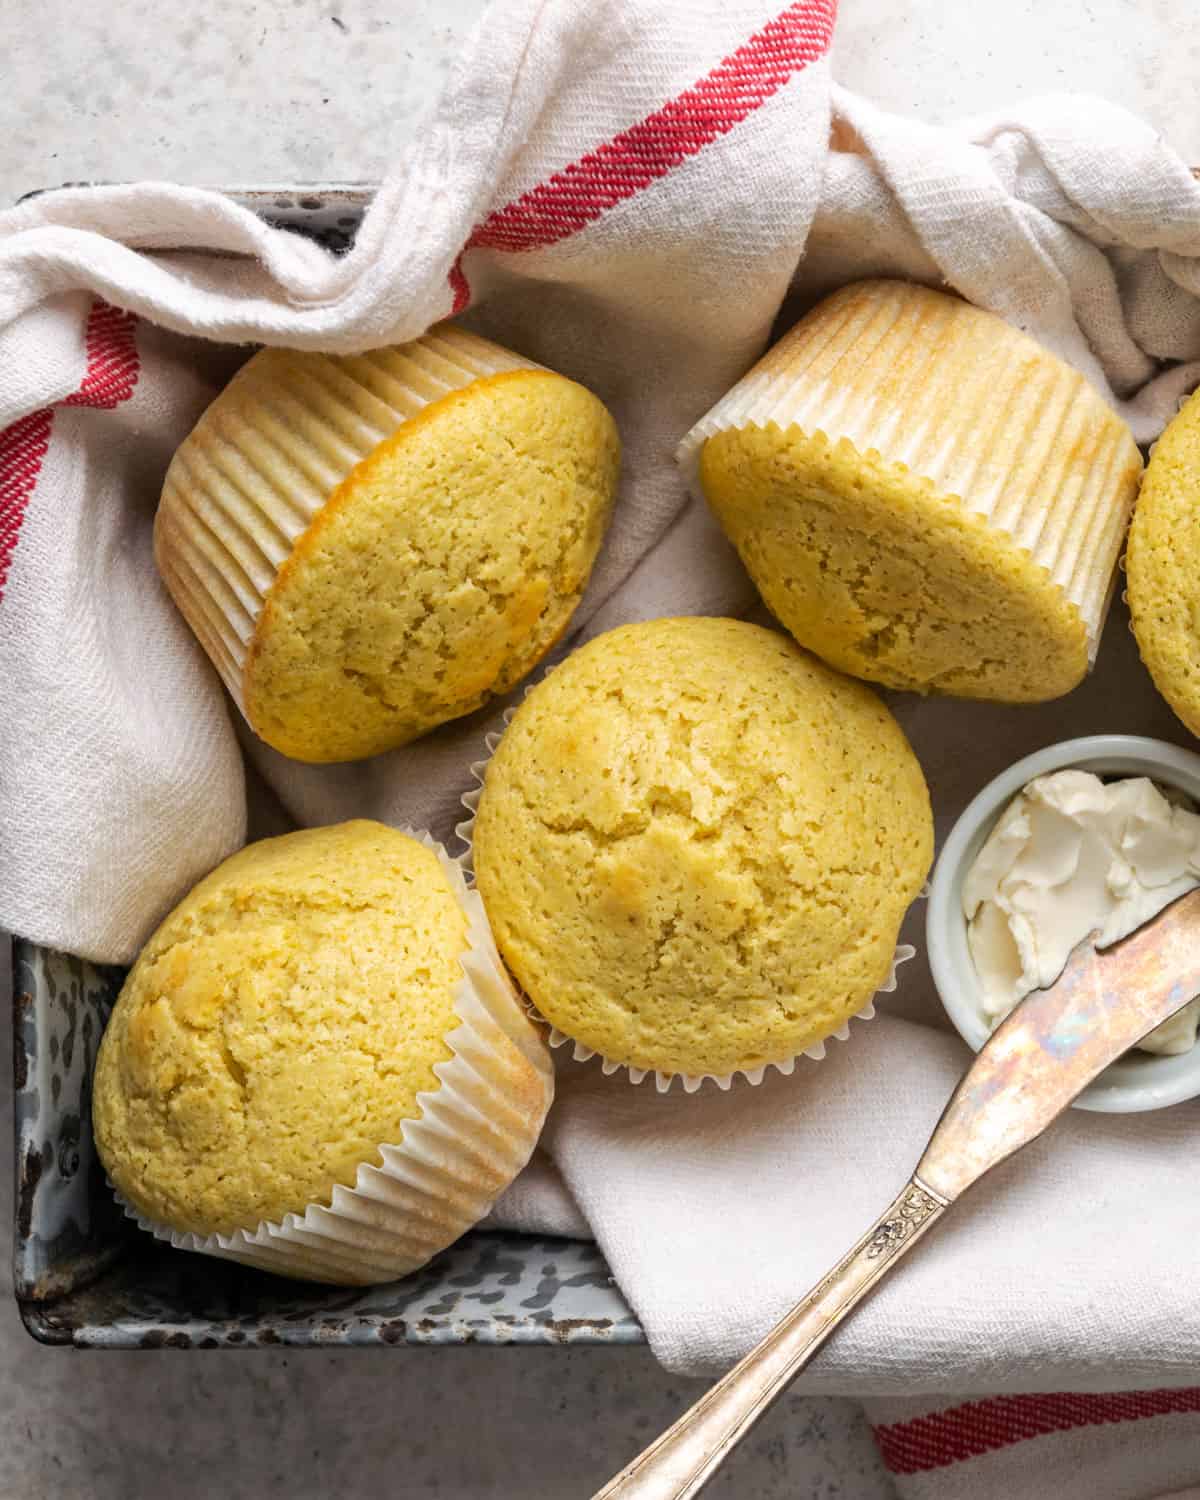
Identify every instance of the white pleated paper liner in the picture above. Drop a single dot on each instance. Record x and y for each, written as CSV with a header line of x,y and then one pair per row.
x,y
248,483
834,374
663,1081
475,1132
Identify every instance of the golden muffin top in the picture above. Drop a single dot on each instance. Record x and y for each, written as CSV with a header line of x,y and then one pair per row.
x,y
365,553
278,1027
696,844
923,495
1163,565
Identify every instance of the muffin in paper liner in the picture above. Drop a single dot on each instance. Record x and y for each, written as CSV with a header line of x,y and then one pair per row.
x,y
923,495
301,505
1160,587
471,1139
663,1081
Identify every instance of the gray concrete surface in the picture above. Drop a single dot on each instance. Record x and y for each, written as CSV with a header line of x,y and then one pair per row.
x,y
269,90
276,90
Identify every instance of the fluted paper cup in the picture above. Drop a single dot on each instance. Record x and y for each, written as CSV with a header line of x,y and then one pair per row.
x,y
963,400
475,1132
663,1081
269,454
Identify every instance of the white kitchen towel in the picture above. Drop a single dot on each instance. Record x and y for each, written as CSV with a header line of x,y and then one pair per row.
x,y
626,191
620,190
1132,1445
1070,1268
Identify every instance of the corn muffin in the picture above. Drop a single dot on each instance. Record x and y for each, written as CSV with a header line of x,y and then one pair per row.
x,y
923,496
369,545
289,1036
1163,565
696,843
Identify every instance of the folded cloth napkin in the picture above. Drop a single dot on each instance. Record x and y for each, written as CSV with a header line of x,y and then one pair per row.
x,y
629,192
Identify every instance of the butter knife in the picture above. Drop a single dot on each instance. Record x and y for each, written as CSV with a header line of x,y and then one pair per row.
x,y
1047,1051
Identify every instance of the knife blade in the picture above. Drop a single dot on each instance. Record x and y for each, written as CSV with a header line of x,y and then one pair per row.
x,y
1059,1039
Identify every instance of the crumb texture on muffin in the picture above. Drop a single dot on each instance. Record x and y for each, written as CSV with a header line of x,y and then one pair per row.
x,y
1163,565
886,579
370,545
278,1028
923,495
696,844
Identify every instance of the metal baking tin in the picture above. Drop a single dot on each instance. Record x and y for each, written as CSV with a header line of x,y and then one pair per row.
x,y
83,1275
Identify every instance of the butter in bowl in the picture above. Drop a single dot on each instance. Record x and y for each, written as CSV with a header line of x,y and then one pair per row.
x,y
1098,835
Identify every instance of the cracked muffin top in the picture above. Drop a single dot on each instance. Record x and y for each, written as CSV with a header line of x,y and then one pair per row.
x,y
923,495
370,545
278,1028
696,844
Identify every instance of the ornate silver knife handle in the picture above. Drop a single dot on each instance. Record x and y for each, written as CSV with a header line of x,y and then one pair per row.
x,y
1038,1060
684,1458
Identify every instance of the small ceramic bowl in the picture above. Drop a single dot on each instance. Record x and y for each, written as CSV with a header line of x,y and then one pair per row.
x,y
1139,1080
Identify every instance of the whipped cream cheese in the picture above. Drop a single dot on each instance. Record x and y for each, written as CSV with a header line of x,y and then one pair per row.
x,y
1072,855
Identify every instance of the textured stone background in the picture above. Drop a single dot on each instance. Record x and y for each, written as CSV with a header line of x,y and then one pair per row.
x,y
245,91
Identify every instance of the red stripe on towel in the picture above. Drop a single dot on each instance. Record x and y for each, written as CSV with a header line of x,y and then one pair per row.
x,y
579,194
22,448
978,1427
110,378
112,358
